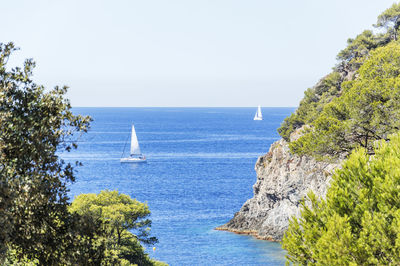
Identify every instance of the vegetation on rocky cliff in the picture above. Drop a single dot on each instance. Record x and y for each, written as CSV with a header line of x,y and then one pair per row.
x,y
367,110
350,60
359,221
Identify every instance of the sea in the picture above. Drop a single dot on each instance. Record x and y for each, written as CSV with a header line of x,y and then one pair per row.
x,y
199,172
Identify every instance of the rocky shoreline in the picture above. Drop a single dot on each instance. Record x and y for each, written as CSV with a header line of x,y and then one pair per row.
x,y
283,180
248,233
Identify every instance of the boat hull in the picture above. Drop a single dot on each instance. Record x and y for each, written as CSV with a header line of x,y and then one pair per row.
x,y
133,160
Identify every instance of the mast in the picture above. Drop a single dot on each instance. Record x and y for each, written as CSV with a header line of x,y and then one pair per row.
x,y
135,149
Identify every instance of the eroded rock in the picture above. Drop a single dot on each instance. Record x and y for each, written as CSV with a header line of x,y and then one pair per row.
x,y
283,179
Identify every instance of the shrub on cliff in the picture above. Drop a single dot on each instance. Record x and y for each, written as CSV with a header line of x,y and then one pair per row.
x,y
359,221
312,104
368,109
350,60
390,20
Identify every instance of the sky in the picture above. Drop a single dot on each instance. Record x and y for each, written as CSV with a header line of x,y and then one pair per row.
x,y
130,53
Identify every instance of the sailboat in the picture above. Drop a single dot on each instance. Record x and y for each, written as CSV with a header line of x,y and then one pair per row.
x,y
135,155
258,115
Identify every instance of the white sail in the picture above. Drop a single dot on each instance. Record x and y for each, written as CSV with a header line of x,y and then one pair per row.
x,y
258,115
136,155
135,149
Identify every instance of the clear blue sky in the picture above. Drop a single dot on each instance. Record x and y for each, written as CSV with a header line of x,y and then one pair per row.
x,y
184,52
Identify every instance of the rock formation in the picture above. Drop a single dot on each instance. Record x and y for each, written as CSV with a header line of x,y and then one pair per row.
x,y
283,179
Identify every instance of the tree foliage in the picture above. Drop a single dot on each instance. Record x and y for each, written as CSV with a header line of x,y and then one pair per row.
x,y
312,104
35,125
125,222
357,50
359,221
368,109
350,60
390,20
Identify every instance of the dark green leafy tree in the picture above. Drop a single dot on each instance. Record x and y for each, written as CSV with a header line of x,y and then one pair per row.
x,y
368,109
359,221
125,221
35,126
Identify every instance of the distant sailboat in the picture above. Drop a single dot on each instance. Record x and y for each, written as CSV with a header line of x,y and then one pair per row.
x,y
258,115
135,156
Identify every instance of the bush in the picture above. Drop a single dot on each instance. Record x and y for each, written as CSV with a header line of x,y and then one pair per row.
x,y
359,221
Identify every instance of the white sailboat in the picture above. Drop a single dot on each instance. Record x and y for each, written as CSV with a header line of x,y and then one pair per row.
x,y
135,155
258,115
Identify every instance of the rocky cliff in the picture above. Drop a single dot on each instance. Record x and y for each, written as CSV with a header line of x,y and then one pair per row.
x,y
283,179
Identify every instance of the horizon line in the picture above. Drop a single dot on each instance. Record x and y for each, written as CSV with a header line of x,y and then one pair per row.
x,y
183,106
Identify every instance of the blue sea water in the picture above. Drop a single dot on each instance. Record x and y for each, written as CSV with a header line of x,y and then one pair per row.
x,y
200,171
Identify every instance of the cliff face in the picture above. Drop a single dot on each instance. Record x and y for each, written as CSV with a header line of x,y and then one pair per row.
x,y
283,179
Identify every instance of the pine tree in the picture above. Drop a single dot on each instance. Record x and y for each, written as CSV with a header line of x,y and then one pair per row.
x,y
359,221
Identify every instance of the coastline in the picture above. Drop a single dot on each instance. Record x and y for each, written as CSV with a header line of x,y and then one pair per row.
x,y
252,233
283,181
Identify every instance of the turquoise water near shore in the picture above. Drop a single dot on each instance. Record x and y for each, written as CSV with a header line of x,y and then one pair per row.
x,y
200,171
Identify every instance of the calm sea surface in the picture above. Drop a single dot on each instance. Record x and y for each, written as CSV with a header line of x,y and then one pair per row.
x,y
200,171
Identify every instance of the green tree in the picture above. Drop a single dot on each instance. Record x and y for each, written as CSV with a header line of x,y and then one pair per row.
x,y
312,104
125,222
368,109
359,221
353,56
350,60
35,126
390,20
